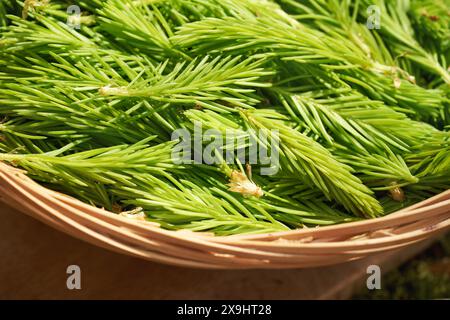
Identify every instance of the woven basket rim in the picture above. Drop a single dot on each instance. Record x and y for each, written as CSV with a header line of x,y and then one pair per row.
x,y
287,249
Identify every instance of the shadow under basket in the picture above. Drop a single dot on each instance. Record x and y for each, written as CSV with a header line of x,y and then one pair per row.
x,y
303,248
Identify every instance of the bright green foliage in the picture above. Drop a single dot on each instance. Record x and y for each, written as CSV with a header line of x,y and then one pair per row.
x,y
357,112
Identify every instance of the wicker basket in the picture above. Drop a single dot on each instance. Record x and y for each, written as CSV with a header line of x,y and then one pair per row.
x,y
292,249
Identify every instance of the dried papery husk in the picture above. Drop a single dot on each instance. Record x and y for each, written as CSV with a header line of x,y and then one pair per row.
x,y
243,185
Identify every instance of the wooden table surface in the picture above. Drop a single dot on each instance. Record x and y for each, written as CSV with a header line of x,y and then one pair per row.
x,y
34,259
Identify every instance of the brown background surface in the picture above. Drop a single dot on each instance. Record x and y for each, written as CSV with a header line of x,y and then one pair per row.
x,y
34,259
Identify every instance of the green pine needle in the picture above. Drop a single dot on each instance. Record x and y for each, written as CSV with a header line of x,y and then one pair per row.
x,y
359,114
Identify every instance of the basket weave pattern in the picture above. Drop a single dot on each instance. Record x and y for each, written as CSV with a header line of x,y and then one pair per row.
x,y
291,249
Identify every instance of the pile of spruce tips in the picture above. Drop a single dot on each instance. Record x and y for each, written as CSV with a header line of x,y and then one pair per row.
x,y
355,93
